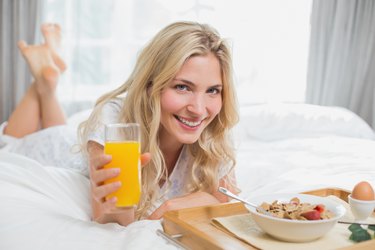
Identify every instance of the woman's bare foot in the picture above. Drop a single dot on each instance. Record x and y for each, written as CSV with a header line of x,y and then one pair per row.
x,y
42,66
52,36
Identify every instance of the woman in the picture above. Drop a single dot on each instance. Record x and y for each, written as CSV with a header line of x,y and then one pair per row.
x,y
181,93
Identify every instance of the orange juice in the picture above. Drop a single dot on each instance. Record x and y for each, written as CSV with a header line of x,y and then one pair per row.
x,y
126,156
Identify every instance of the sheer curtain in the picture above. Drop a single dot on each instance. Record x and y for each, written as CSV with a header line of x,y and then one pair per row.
x,y
342,56
18,20
102,38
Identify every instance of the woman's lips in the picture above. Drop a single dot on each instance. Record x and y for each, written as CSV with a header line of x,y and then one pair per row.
x,y
189,123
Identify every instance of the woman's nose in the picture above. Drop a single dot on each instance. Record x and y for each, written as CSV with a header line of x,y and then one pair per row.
x,y
197,105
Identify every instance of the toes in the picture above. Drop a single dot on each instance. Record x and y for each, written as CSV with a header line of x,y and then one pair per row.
x,y
59,63
57,26
22,45
47,26
44,28
50,27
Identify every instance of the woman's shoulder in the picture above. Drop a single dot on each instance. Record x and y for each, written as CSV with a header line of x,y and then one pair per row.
x,y
113,106
111,110
114,103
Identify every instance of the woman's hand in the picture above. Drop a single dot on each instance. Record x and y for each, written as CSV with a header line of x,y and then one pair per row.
x,y
190,200
103,209
198,198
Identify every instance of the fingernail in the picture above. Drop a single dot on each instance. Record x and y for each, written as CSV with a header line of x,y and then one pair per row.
x,y
116,170
118,184
113,200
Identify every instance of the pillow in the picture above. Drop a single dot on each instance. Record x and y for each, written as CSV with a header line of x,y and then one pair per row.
x,y
282,121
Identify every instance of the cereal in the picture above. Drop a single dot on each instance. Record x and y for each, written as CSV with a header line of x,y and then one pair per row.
x,y
295,210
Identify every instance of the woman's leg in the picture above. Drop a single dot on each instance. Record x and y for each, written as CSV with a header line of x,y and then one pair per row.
x,y
52,37
51,111
39,108
25,119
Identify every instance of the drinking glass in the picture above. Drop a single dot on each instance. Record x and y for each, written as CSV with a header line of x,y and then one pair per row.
x,y
122,141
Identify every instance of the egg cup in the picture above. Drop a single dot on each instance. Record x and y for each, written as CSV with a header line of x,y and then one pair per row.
x,y
361,209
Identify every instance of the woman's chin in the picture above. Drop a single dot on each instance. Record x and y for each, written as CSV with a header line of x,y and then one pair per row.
x,y
190,140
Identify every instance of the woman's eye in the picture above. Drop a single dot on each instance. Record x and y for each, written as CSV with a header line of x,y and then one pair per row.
x,y
181,87
213,91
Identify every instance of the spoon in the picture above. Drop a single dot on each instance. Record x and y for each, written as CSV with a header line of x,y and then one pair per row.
x,y
232,195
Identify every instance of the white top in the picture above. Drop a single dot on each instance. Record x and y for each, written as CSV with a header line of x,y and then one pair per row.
x,y
110,114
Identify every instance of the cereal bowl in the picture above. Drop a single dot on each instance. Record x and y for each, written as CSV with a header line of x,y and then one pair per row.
x,y
296,230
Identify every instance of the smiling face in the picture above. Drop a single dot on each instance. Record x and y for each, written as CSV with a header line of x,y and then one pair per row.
x,y
191,100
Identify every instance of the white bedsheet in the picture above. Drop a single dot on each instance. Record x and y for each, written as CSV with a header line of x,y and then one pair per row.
x,y
300,147
301,164
48,208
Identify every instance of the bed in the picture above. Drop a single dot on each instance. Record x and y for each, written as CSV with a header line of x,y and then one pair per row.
x,y
280,148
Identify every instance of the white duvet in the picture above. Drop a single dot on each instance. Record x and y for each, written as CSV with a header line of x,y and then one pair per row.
x,y
281,148
48,208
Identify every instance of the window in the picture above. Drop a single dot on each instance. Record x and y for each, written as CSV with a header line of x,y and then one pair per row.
x,y
101,40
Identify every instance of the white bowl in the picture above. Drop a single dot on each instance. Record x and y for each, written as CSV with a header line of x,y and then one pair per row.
x,y
296,230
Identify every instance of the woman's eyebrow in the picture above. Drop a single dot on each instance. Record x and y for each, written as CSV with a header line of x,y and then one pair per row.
x,y
217,86
193,84
185,81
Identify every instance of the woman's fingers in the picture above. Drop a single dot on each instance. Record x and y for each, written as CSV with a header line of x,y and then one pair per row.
x,y
109,204
145,158
100,192
101,175
158,213
186,201
97,173
101,160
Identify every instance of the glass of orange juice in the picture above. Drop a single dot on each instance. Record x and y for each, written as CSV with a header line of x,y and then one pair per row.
x,y
122,141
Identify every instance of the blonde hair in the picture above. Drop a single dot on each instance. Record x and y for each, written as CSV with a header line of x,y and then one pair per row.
x,y
157,64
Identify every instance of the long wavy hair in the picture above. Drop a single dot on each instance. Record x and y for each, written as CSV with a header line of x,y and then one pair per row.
x,y
157,65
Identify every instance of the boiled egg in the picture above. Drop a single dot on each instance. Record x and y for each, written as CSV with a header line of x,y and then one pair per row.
x,y
363,191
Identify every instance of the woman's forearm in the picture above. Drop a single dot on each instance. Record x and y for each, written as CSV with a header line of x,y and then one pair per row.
x,y
94,149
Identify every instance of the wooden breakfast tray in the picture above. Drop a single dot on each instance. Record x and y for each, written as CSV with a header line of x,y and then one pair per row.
x,y
191,228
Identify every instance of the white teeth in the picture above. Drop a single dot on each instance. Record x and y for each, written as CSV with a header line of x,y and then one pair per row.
x,y
189,123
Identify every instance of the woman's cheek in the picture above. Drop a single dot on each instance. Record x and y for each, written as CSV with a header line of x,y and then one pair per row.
x,y
215,107
171,102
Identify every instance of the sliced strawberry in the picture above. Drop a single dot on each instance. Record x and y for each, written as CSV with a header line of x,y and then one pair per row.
x,y
311,215
320,208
